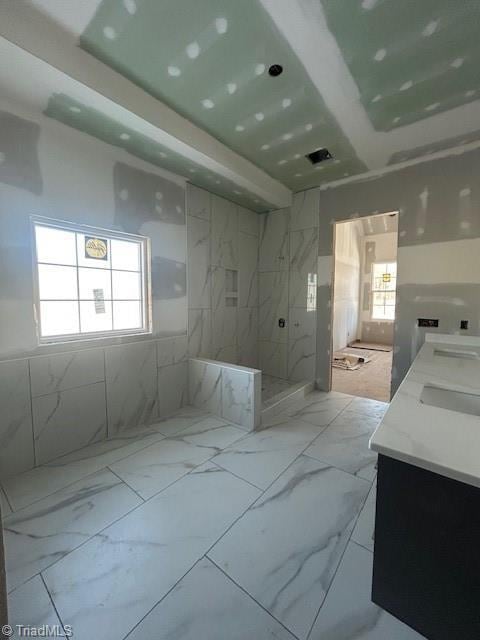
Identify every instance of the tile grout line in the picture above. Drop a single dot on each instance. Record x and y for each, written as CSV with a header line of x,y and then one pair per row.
x,y
51,600
226,471
163,597
262,494
234,474
79,386
269,613
145,501
31,413
4,494
338,567
353,475
125,483
52,466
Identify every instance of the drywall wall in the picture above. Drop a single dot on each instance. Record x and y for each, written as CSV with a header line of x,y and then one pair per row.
x,y
48,169
346,296
439,206
375,248
57,398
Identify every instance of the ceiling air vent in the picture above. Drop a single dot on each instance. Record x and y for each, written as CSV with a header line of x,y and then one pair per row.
x,y
319,155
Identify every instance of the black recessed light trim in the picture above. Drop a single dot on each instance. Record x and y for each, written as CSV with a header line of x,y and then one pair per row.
x,y
319,155
275,70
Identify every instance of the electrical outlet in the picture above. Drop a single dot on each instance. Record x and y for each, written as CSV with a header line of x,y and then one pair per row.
x,y
428,322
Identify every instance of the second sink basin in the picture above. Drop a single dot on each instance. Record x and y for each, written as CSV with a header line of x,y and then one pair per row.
x,y
449,399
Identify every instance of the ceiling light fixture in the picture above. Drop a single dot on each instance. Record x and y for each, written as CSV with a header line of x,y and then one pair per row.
x,y
275,70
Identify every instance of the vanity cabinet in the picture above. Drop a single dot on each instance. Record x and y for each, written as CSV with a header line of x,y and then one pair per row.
x,y
427,550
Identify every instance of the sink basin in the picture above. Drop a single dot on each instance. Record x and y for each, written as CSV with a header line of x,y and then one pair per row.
x,y
449,399
456,353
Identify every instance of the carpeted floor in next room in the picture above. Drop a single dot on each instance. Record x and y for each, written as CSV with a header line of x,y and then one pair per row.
x,y
370,380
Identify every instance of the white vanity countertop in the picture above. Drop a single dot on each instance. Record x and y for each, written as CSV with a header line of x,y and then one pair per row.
x,y
439,440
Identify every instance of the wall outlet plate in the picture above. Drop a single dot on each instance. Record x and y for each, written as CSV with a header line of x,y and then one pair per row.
x,y
428,322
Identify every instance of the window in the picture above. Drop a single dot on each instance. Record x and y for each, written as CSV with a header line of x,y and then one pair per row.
x,y
90,282
384,285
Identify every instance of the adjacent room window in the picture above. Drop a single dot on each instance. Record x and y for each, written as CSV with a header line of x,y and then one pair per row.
x,y
89,282
384,285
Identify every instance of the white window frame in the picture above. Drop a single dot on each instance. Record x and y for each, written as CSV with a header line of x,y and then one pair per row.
x,y
145,274
373,290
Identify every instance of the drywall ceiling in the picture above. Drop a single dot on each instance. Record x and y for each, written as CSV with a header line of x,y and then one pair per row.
x,y
377,82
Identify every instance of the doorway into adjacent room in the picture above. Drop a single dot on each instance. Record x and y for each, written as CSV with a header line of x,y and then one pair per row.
x,y
363,310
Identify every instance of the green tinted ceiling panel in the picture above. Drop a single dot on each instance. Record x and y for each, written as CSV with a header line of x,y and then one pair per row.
x,y
442,145
91,121
209,61
409,58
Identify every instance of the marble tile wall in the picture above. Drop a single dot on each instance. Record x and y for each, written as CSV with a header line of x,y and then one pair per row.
x,y
288,253
222,237
16,433
273,265
228,391
56,404
303,285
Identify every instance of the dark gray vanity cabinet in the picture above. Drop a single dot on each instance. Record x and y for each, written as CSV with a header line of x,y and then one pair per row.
x,y
427,551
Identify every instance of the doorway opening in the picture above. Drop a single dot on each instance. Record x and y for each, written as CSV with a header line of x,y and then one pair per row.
x,y
363,309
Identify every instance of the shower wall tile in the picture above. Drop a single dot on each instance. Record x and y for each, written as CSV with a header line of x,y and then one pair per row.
x,y
301,344
131,374
224,249
49,374
273,358
305,210
248,337
198,202
227,354
218,288
172,388
68,420
248,274
171,350
225,330
198,239
273,304
241,397
273,244
303,268
205,385
248,221
16,439
199,333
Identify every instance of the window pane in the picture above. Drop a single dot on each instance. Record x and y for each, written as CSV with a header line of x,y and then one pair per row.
x,y
94,283
57,283
378,313
55,245
378,298
125,255
126,285
127,315
95,316
90,245
59,318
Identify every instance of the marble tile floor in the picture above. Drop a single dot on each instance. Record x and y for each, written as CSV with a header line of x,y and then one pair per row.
x,y
271,386
192,529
